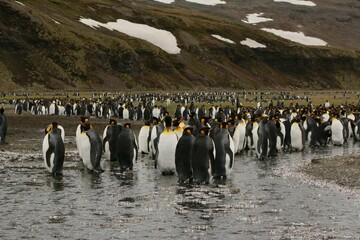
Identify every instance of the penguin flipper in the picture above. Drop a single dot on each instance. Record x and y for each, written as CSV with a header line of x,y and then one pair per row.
x,y
231,154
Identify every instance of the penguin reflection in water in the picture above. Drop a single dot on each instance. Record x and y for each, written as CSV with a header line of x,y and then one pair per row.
x,y
202,156
126,148
90,147
54,149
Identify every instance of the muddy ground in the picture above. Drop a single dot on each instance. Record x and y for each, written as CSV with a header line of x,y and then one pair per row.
x,y
343,171
26,132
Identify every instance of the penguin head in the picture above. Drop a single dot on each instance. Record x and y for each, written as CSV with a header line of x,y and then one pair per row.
x,y
85,127
147,123
54,125
127,125
84,119
224,125
204,130
175,123
113,122
189,129
168,121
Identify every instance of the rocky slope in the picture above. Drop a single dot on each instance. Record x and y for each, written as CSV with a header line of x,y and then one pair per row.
x,y
43,45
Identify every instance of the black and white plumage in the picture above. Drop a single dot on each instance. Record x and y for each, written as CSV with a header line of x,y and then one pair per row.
x,y
110,137
90,146
54,149
126,148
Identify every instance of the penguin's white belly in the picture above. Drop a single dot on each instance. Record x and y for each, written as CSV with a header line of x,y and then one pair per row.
x,y
153,136
77,136
126,114
279,140
255,137
52,109
52,156
337,135
228,157
85,149
106,146
296,138
357,135
167,146
242,138
143,139
236,138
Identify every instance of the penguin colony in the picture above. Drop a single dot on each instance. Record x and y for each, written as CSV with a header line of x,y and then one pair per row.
x,y
199,144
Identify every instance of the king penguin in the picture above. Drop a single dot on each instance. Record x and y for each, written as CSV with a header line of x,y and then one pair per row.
x,y
202,156
225,150
91,148
110,137
54,149
337,132
3,125
83,120
183,155
144,138
165,159
297,135
126,148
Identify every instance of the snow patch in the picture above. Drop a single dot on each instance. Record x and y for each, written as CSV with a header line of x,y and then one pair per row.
x,y
252,43
298,37
255,18
298,2
203,2
207,2
20,3
160,38
223,39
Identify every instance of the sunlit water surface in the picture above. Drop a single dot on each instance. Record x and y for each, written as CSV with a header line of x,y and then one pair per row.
x,y
261,200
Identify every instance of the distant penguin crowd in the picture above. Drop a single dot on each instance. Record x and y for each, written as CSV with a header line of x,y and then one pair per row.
x,y
195,142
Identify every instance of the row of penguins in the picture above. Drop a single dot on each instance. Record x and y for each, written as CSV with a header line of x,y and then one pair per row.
x,y
175,148
203,149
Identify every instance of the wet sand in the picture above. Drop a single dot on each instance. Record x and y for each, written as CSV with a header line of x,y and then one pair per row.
x,y
343,171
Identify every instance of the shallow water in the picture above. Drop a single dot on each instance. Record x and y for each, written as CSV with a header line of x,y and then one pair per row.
x,y
261,200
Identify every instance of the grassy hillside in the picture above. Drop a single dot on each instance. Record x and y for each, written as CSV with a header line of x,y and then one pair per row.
x,y
44,46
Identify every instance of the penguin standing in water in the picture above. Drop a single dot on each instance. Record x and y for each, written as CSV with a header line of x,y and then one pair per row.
x,y
165,158
54,149
297,134
110,137
263,142
144,138
338,135
3,125
126,148
83,120
225,151
156,130
91,148
202,157
183,155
